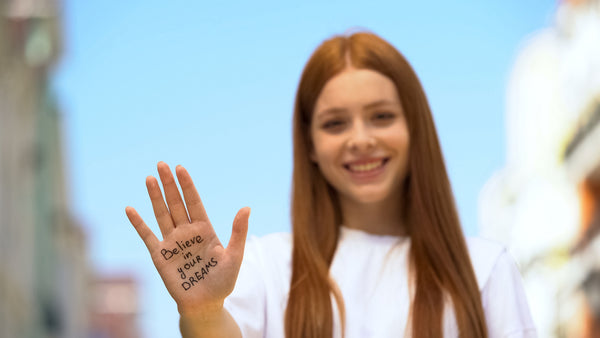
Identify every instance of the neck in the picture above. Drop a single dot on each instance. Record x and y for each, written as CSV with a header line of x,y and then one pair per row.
x,y
380,218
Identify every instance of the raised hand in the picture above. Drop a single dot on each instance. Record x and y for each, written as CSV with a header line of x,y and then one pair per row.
x,y
195,267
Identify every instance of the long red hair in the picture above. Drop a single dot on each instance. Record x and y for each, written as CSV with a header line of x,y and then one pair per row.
x,y
439,260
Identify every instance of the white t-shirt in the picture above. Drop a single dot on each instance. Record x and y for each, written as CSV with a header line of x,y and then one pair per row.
x,y
371,272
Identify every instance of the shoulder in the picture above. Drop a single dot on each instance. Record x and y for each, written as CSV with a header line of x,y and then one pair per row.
x,y
502,294
486,256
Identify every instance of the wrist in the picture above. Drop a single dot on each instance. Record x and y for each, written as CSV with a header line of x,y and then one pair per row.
x,y
208,320
203,312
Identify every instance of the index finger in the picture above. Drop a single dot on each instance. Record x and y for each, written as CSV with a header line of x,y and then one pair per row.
x,y
191,196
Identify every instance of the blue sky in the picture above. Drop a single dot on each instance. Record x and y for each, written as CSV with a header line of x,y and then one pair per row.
x,y
210,85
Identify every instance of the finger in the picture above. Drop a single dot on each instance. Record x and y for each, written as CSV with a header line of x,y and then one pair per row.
x,y
142,229
163,217
172,195
192,199
237,241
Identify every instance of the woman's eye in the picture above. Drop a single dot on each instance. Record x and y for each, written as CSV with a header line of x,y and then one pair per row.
x,y
383,118
333,124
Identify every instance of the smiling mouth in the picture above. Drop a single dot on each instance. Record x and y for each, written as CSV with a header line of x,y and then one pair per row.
x,y
366,167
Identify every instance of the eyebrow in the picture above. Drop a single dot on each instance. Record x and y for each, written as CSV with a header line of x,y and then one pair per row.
x,y
366,106
378,103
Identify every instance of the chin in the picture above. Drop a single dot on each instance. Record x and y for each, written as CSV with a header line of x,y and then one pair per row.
x,y
370,197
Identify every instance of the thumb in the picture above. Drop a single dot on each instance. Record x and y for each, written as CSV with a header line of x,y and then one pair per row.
x,y
237,241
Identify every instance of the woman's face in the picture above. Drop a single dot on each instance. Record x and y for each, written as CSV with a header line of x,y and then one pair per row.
x,y
360,137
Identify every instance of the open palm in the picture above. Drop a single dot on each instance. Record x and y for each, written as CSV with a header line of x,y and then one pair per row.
x,y
195,267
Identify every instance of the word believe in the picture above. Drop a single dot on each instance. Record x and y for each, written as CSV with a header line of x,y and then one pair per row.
x,y
167,254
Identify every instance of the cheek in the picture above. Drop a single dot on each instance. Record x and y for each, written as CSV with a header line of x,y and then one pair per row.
x,y
404,141
326,157
319,148
327,150
401,138
397,139
321,156
404,150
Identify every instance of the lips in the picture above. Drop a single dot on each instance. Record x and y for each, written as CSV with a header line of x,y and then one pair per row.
x,y
366,167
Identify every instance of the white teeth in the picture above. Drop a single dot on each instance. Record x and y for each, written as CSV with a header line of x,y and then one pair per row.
x,y
366,166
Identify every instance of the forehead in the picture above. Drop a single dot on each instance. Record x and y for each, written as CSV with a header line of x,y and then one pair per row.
x,y
355,88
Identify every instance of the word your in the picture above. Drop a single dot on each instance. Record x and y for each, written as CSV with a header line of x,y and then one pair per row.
x,y
189,265
167,254
198,275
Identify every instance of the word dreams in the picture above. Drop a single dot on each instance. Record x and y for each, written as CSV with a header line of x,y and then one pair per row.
x,y
167,254
198,275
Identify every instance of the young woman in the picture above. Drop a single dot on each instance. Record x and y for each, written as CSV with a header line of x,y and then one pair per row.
x,y
376,249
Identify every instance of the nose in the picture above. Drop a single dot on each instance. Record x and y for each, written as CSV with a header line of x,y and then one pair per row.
x,y
360,139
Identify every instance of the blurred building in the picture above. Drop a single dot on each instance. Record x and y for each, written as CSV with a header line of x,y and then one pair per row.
x,y
115,308
43,270
545,203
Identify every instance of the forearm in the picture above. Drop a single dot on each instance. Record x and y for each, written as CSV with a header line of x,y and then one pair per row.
x,y
207,324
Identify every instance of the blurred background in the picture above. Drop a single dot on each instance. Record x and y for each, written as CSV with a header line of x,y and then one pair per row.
x,y
94,93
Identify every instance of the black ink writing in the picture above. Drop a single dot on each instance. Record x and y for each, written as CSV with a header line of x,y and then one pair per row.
x,y
198,239
168,254
198,275
191,263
